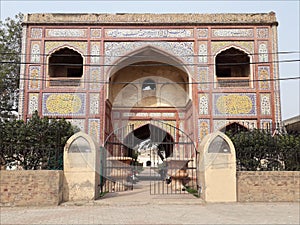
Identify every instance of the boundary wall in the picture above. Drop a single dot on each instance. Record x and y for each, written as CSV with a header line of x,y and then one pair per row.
x,y
31,187
45,187
268,186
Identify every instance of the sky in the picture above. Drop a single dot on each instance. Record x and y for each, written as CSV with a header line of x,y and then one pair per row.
x,y
287,13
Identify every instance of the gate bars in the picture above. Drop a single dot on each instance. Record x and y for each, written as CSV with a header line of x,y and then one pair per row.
x,y
172,158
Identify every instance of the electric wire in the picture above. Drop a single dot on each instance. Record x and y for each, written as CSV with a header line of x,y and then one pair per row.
x,y
132,82
149,64
142,56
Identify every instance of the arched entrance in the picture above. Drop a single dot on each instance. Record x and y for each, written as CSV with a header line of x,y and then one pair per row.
x,y
158,152
147,118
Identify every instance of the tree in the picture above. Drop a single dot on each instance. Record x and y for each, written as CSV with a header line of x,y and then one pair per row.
x,y
260,150
10,58
36,144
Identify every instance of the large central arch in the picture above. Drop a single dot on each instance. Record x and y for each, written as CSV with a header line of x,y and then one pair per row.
x,y
146,84
150,54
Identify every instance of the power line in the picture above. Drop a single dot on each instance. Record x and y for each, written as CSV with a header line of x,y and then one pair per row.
x,y
183,82
143,56
150,64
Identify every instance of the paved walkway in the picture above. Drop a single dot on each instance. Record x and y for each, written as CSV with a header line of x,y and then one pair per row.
x,y
254,213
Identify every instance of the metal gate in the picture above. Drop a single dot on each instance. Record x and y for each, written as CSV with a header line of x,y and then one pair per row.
x,y
173,161
157,152
117,162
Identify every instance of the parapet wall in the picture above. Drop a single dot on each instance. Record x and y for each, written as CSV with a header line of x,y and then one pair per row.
x,y
268,186
30,187
151,18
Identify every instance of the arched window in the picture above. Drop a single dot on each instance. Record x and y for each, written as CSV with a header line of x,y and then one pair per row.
x,y
149,85
232,68
65,68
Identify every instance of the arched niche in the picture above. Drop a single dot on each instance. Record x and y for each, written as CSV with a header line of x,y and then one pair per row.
x,y
65,67
81,168
217,168
234,128
233,68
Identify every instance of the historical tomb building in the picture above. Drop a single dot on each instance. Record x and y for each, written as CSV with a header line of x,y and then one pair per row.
x,y
197,73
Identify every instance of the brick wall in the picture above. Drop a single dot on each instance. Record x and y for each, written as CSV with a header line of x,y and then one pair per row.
x,y
30,187
268,186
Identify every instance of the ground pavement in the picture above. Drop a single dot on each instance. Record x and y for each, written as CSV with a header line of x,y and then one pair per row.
x,y
139,207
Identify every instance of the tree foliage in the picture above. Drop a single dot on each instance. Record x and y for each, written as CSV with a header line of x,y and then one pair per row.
x,y
10,58
36,144
260,150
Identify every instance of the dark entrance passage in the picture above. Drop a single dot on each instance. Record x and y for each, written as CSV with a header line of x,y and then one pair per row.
x,y
156,152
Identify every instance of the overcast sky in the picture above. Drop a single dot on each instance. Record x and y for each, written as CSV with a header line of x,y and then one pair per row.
x,y
287,13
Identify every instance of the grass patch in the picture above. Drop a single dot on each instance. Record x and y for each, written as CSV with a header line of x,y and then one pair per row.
x,y
192,191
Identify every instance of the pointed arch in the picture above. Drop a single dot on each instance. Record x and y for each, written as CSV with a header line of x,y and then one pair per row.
x,y
233,67
146,53
233,127
65,67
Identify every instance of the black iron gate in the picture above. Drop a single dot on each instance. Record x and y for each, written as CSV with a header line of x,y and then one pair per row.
x,y
117,171
173,161
170,165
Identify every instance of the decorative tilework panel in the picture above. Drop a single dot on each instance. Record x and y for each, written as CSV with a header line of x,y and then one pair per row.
x,y
232,32
148,33
238,104
95,81
76,33
57,104
263,77
168,114
265,105
155,114
182,50
203,78
35,52
202,52
203,33
263,52
220,124
36,33
181,115
128,114
34,77
95,52
262,32
203,128
80,46
94,103
94,128
80,123
95,33
217,46
203,104
33,103
142,114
